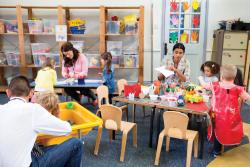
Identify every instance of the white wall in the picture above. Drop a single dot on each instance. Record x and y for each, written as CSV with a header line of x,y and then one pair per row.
x,y
224,10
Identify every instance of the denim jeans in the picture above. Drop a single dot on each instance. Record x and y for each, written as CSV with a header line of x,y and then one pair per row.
x,y
68,154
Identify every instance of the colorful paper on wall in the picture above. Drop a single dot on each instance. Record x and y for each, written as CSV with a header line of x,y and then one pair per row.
x,y
185,6
194,36
173,5
196,21
175,20
61,33
184,37
173,37
195,4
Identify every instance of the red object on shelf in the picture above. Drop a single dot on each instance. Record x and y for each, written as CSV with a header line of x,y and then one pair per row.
x,y
136,89
114,18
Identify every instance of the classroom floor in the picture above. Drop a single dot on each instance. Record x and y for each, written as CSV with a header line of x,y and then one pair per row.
x,y
142,156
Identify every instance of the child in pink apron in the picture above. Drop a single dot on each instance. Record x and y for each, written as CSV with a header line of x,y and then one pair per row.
x,y
226,127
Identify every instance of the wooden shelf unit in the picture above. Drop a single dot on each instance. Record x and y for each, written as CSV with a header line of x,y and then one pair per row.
x,y
63,13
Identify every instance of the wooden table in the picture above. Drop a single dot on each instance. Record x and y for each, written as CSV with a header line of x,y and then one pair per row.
x,y
163,107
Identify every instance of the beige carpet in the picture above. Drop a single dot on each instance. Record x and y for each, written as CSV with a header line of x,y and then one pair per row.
x,y
237,157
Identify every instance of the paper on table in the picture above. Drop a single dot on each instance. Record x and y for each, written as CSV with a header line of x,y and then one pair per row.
x,y
164,71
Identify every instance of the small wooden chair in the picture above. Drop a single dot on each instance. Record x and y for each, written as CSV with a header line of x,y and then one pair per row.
x,y
112,118
246,130
175,125
103,93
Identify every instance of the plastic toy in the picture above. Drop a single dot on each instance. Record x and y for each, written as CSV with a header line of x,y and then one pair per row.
x,y
69,105
157,85
180,101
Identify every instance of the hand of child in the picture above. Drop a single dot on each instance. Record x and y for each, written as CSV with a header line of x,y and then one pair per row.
x,y
71,75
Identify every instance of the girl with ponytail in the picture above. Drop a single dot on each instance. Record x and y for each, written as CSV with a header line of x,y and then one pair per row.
x,y
108,73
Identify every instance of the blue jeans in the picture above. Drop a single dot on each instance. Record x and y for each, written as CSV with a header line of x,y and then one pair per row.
x,y
68,154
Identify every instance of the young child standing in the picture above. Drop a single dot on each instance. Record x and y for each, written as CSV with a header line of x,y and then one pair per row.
x,y
226,127
209,69
108,73
46,77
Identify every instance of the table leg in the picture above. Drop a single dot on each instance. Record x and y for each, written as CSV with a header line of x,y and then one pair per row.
x,y
158,126
151,127
202,130
133,112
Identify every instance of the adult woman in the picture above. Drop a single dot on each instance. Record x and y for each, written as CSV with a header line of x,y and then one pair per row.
x,y
179,65
75,65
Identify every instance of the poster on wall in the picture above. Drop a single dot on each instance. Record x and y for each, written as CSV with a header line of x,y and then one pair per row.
x,y
61,33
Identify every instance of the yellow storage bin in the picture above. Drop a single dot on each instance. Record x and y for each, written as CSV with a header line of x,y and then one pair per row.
x,y
83,121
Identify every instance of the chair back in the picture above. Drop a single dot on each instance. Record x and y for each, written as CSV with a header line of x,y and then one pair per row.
x,y
120,85
102,93
175,123
112,116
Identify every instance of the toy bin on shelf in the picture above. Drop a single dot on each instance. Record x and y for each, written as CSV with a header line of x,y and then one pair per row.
x,y
3,60
35,26
13,58
49,26
11,26
113,27
40,48
114,47
93,59
131,28
40,58
79,45
77,26
82,122
130,60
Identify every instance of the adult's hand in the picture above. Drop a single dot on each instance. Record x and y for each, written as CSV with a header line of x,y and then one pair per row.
x,y
172,68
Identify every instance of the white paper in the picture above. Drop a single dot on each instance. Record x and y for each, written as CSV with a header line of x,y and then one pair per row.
x,y
164,71
61,33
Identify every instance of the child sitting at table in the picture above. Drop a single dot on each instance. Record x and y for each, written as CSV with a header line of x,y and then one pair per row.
x,y
226,128
210,69
46,77
108,73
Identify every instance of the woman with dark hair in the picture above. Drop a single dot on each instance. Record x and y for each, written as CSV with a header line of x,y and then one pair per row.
x,y
179,65
75,65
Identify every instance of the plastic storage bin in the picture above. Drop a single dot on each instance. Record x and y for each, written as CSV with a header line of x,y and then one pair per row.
x,y
131,28
113,27
77,26
82,120
40,58
35,26
3,60
40,48
93,59
116,61
11,26
13,58
114,47
49,26
79,45
130,60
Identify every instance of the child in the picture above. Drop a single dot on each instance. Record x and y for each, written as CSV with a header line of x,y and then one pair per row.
x,y
227,124
48,100
209,69
46,77
108,73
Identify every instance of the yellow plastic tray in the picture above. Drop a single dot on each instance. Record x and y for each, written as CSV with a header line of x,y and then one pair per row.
x,y
83,122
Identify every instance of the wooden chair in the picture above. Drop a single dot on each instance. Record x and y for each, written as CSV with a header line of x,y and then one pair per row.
x,y
246,130
112,116
120,87
103,93
175,125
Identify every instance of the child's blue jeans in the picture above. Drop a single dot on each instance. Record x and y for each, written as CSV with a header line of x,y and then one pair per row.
x,y
69,154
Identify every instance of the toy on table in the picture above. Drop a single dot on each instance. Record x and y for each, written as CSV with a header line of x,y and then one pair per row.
x,y
192,95
180,101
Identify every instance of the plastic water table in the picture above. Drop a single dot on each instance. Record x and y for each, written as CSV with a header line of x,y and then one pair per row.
x,y
82,122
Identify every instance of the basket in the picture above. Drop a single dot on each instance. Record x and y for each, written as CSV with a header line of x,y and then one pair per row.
x,y
11,26
35,26
13,58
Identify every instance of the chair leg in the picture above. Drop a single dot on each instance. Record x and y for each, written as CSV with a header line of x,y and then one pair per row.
x,y
110,135
98,140
124,142
189,152
126,114
158,151
196,142
167,143
143,110
135,136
